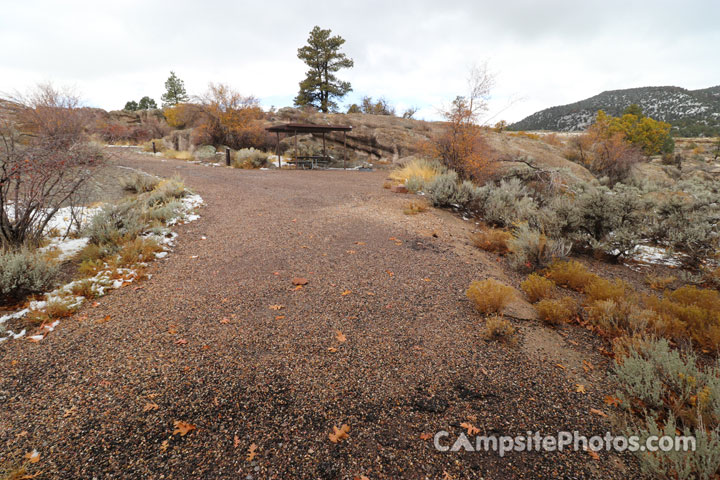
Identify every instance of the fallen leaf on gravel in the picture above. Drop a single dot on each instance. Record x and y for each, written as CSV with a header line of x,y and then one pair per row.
x,y
225,320
183,428
370,293
276,273
298,287
95,304
580,388
598,412
70,411
361,477
164,445
389,272
346,292
150,406
426,279
276,307
181,341
251,452
471,429
560,365
447,476
351,252
299,281
425,436
137,288
236,441
32,457
29,477
339,434
279,317
332,349
340,336
359,243
172,330
593,454
612,401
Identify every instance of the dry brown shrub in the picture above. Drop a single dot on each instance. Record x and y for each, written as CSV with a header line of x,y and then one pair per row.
x,y
499,328
554,312
659,283
415,206
492,240
602,289
571,274
538,288
490,296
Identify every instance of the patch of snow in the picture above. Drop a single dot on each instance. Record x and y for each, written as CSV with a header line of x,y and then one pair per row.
x,y
657,256
68,247
161,254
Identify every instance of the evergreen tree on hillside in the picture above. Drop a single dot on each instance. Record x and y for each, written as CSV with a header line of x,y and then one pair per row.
x,y
131,106
174,91
322,54
147,103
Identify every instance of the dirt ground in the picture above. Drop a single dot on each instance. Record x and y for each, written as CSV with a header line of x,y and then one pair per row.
x,y
381,338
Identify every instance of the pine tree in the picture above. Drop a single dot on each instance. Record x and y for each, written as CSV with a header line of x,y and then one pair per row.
x,y
146,103
131,106
321,86
174,91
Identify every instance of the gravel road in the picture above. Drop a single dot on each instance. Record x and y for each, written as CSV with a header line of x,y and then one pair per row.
x,y
221,338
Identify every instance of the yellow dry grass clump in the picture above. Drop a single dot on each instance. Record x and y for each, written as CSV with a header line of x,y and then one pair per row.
x,y
178,155
538,288
499,328
490,296
419,168
554,312
415,206
571,274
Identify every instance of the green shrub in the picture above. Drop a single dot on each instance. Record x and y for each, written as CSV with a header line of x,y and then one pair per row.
x,y
115,223
164,213
443,189
530,249
139,183
506,204
673,395
166,191
415,184
24,273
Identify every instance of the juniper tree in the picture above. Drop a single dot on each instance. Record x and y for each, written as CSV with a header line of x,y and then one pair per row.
x,y
146,103
131,106
322,54
174,91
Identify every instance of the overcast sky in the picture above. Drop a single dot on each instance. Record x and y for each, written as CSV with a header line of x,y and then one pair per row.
x,y
417,53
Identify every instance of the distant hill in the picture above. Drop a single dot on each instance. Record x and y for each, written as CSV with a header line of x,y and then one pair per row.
x,y
692,113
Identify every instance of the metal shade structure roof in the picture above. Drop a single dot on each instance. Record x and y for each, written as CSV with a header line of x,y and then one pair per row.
x,y
307,128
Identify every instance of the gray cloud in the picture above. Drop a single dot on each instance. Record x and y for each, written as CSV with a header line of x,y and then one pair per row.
x,y
413,53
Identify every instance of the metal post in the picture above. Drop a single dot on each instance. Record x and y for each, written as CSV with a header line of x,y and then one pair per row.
x,y
344,148
277,148
154,151
227,156
324,154
296,158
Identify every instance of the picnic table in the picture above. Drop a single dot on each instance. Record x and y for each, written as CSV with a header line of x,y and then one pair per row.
x,y
311,161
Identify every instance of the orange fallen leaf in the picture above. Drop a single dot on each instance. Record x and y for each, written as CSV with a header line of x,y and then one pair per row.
x,y
612,401
299,281
150,406
389,272
32,457
346,292
104,319
181,341
276,307
340,336
580,388
351,252
164,445
224,320
361,477
339,434
593,454
30,477
332,349
183,428
471,429
598,412
447,476
95,304
251,452
279,317
425,436
560,365
70,411
172,330
426,279
236,441
359,243
298,287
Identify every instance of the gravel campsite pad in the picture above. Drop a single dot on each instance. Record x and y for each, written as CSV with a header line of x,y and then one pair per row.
x,y
303,327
